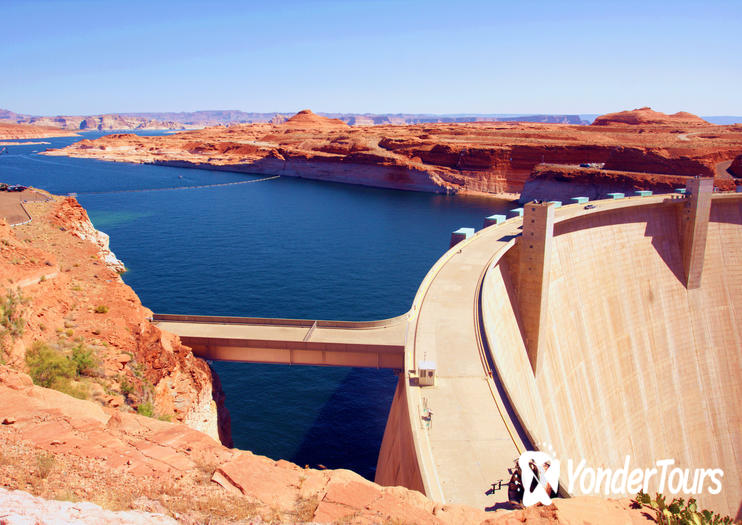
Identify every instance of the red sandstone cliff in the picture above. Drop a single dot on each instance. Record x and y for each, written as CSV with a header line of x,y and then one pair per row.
x,y
646,116
484,157
59,270
561,183
11,131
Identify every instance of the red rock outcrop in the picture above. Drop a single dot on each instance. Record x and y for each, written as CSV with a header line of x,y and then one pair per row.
x,y
646,116
11,131
306,119
67,281
482,157
558,182
58,447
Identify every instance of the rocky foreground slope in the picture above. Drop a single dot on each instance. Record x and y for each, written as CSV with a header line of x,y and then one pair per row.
x,y
483,157
101,411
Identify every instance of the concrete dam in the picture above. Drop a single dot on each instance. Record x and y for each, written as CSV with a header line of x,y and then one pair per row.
x,y
594,330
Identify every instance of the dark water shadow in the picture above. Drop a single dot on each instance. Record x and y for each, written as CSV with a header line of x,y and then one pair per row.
x,y
367,412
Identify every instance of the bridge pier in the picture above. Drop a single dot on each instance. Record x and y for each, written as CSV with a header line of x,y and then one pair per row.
x,y
694,228
533,274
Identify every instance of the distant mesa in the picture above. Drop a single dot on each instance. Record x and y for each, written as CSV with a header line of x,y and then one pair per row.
x,y
648,116
279,119
307,119
14,131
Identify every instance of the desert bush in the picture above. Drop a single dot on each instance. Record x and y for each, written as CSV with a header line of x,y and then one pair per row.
x,y
126,387
54,368
74,389
305,508
12,322
49,366
101,309
44,464
146,409
86,362
678,512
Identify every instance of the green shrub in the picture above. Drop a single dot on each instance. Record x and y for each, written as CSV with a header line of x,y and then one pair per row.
x,y
66,386
678,512
126,387
101,309
86,363
45,464
48,366
146,409
11,321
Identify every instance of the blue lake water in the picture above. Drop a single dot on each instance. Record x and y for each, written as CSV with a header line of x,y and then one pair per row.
x,y
280,248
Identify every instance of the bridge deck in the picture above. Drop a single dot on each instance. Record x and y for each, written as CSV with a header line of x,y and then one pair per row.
x,y
376,344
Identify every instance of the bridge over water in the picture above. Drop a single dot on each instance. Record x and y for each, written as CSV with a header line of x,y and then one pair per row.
x,y
605,330
375,344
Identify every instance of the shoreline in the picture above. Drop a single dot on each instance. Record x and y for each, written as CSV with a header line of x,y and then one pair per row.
x,y
245,169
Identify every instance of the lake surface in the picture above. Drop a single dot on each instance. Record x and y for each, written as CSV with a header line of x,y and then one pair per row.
x,y
280,248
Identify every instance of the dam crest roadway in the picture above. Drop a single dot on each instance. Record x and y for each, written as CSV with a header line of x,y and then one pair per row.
x,y
604,330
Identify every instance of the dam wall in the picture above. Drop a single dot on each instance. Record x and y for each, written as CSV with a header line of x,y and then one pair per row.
x,y
398,461
634,363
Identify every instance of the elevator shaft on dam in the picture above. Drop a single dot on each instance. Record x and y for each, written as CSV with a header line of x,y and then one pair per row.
x,y
374,344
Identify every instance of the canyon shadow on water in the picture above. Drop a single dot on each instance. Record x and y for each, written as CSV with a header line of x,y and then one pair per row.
x,y
279,248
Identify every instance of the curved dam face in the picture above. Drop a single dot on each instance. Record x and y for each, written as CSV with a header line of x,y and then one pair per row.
x,y
631,361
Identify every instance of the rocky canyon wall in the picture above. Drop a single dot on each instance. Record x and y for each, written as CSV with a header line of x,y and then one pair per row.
x,y
68,293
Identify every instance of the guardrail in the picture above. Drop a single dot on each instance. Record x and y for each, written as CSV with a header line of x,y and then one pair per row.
x,y
267,321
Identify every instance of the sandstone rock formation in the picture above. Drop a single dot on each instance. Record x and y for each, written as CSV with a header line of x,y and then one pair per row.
x,y
485,157
65,284
561,183
11,131
21,508
305,119
86,123
646,116
62,448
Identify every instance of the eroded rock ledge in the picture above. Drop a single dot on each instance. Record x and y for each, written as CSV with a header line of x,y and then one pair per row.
x,y
69,294
482,157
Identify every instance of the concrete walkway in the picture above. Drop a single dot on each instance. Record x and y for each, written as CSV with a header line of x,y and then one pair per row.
x,y
467,445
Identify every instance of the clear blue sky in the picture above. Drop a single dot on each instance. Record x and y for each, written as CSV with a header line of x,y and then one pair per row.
x,y
87,57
